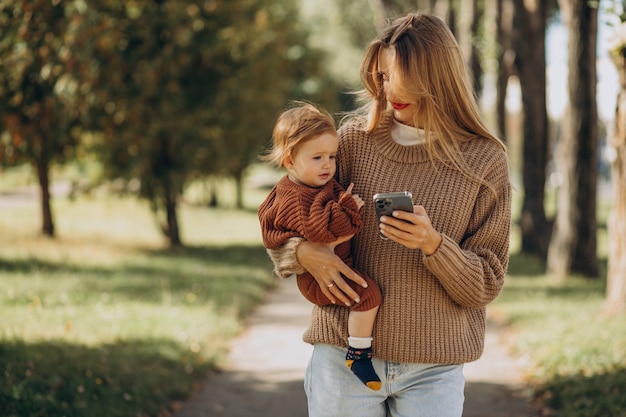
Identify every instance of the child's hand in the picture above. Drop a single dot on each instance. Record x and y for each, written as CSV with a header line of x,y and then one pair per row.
x,y
358,200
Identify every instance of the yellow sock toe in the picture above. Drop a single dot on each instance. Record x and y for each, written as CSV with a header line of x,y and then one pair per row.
x,y
374,385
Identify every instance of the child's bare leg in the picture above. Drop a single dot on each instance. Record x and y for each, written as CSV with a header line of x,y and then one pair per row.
x,y
359,357
361,323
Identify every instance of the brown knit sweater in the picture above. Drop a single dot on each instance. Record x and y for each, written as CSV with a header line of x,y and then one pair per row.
x,y
433,308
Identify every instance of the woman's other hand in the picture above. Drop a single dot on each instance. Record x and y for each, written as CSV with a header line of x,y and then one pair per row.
x,y
320,260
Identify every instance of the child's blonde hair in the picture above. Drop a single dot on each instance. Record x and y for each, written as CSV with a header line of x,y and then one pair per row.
x,y
294,126
431,75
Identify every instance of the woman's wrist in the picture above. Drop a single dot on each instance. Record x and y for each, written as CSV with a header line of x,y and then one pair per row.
x,y
433,245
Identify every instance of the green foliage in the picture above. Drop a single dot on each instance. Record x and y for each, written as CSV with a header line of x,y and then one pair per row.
x,y
576,355
106,323
188,89
615,8
341,28
580,395
275,64
170,90
358,19
64,379
42,100
39,120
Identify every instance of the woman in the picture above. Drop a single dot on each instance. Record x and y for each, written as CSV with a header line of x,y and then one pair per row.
x,y
440,265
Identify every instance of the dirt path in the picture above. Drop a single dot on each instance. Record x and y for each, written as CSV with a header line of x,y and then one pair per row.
x,y
267,364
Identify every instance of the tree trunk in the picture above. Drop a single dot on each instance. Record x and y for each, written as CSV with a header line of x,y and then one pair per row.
x,y
212,184
173,231
43,170
445,9
585,260
506,56
573,247
475,62
239,190
616,277
469,19
529,42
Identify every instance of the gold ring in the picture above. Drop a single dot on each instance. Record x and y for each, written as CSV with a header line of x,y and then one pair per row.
x,y
332,284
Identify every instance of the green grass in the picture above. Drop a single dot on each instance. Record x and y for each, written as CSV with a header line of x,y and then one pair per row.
x,y
576,355
104,321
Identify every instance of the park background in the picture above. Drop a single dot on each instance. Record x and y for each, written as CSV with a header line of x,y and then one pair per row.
x,y
129,133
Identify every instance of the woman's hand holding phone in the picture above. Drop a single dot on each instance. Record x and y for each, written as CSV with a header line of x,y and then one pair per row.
x,y
404,223
412,230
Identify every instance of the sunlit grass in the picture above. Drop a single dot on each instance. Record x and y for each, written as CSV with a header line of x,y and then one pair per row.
x,y
575,356
104,320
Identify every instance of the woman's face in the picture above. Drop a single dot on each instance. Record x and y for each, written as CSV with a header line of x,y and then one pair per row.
x,y
403,112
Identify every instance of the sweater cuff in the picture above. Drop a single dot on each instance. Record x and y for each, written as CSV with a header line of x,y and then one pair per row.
x,y
448,259
285,260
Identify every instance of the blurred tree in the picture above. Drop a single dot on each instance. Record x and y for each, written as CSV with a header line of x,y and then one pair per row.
x,y
352,24
616,275
190,88
361,19
529,30
342,29
573,246
155,67
505,59
276,64
39,98
475,11
445,9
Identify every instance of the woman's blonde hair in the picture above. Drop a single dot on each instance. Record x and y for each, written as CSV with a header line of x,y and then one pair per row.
x,y
301,122
431,74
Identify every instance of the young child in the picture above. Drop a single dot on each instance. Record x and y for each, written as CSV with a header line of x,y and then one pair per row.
x,y
308,202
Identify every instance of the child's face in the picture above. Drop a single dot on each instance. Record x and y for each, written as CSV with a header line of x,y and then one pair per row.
x,y
402,111
315,161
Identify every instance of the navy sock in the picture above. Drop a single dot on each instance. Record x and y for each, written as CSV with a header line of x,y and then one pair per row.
x,y
360,362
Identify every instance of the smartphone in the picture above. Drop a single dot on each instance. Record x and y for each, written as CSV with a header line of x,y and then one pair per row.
x,y
385,203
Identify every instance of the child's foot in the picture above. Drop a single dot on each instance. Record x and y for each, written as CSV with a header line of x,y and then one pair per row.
x,y
360,362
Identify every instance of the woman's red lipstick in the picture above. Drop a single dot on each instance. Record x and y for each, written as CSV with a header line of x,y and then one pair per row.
x,y
399,106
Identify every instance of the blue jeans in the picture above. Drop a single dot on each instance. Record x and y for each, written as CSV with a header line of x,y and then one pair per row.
x,y
409,390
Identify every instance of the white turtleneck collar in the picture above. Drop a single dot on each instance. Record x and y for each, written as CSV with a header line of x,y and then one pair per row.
x,y
407,135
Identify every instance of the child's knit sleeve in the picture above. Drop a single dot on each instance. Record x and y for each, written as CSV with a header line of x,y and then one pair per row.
x,y
328,220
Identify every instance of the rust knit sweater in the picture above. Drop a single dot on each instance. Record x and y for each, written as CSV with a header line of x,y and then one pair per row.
x,y
320,215
317,214
433,308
